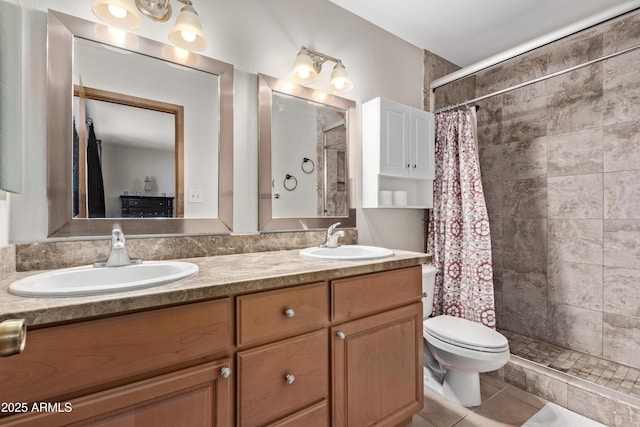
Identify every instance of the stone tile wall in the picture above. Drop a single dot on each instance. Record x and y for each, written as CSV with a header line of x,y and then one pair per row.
x,y
63,254
561,171
7,261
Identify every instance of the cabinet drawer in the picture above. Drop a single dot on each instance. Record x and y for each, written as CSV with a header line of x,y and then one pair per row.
x,y
275,314
263,392
357,296
69,360
313,416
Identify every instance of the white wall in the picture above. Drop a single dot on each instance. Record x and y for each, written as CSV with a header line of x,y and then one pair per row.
x,y
255,36
4,218
125,168
293,131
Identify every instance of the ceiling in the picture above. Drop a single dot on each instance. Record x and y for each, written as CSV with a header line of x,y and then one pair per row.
x,y
467,31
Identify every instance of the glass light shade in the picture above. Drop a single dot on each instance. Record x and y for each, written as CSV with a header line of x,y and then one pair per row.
x,y
187,33
340,81
304,70
119,13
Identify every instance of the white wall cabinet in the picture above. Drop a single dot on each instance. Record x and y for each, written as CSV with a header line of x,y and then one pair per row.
x,y
398,143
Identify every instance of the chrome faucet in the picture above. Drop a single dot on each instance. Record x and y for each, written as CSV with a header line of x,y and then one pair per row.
x,y
118,256
332,236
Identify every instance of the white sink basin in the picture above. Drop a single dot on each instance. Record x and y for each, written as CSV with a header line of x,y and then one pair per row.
x,y
347,252
89,280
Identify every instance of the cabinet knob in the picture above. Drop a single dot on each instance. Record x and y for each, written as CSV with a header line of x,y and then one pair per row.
x,y
13,336
341,335
225,373
424,295
289,312
408,165
290,378
415,166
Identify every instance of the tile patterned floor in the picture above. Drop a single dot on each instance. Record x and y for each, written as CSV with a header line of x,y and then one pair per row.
x,y
614,376
502,405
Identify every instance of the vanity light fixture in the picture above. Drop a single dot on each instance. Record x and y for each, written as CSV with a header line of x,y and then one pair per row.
x,y
308,64
186,33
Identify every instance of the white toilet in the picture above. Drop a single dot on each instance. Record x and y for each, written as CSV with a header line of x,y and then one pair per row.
x,y
456,350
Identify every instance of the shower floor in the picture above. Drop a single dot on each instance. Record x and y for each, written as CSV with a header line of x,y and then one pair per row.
x,y
611,375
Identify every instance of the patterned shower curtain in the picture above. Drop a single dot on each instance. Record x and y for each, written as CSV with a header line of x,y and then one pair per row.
x,y
459,237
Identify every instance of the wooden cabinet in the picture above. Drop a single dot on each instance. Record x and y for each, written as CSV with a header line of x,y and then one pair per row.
x,y
363,332
398,144
377,368
341,353
377,356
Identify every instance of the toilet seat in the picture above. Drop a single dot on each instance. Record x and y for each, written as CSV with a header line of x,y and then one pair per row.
x,y
466,334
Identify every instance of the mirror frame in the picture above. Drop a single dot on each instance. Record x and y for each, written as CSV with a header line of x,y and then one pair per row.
x,y
61,29
266,222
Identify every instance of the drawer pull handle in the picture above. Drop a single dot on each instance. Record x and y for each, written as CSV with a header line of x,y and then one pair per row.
x,y
289,312
225,373
341,335
290,378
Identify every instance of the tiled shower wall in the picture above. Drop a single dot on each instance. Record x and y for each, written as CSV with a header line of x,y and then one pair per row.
x,y
560,161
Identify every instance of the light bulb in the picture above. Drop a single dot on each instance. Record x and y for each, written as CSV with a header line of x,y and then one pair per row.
x,y
338,83
303,73
117,11
188,36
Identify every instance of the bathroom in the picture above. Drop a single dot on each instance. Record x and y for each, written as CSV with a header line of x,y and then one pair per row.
x,y
564,221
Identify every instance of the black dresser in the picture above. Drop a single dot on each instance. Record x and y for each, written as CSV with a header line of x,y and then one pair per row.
x,y
146,206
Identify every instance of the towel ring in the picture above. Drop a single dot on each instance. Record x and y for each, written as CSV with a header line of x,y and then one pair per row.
x,y
290,182
305,165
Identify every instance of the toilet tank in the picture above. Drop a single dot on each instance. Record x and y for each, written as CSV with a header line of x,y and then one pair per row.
x,y
428,284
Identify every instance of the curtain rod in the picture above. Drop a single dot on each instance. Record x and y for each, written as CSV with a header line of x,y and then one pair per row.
x,y
536,43
539,79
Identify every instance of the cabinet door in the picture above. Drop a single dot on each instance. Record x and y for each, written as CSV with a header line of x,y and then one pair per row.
x,y
377,368
197,396
395,135
422,144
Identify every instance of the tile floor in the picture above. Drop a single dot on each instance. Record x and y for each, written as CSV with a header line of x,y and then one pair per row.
x,y
502,405
612,375
506,405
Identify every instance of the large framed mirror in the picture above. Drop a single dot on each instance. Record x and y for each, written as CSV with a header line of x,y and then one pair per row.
x,y
138,132
303,159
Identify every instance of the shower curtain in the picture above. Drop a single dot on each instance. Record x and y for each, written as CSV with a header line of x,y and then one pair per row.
x,y
459,237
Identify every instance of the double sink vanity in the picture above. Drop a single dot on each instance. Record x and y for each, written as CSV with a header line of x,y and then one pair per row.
x,y
268,338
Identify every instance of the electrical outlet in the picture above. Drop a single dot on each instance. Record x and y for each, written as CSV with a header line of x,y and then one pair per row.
x,y
195,196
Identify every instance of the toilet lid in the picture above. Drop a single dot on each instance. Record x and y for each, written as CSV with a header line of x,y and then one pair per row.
x,y
465,333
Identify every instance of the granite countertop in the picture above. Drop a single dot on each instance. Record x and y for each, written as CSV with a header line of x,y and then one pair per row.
x,y
219,276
